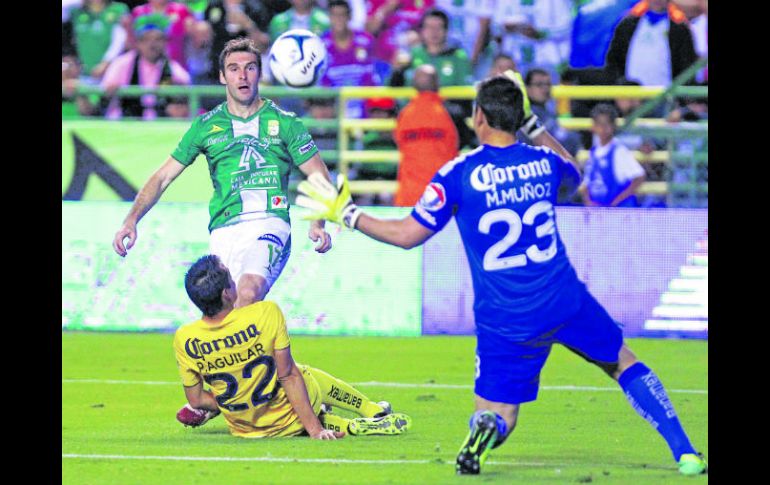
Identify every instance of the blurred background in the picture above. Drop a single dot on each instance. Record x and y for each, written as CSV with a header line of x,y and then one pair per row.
x,y
639,68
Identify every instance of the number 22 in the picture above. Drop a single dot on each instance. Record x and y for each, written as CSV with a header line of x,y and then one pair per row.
x,y
257,397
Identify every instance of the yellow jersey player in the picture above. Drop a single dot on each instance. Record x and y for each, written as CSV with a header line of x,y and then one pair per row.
x,y
244,355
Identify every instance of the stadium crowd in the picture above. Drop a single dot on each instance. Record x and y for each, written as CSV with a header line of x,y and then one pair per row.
x,y
383,42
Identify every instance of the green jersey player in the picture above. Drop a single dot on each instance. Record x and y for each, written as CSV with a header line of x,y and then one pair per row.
x,y
250,145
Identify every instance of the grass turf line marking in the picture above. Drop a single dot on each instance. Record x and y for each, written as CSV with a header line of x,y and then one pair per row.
x,y
280,459
389,384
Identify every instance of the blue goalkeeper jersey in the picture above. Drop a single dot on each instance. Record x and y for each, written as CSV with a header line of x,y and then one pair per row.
x,y
503,200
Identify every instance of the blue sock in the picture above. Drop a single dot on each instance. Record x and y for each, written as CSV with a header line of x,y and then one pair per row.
x,y
502,427
648,397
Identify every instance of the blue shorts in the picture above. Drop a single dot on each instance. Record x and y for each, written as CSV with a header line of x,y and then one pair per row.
x,y
508,369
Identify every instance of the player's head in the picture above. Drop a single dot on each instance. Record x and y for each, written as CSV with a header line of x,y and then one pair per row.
x,y
499,105
240,67
209,285
604,117
339,15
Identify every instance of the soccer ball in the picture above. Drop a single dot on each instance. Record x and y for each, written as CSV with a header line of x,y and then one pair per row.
x,y
298,58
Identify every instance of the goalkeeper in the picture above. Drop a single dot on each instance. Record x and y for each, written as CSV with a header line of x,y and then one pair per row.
x,y
527,294
243,354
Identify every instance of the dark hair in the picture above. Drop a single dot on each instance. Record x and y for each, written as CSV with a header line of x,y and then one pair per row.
x,y
241,44
607,110
531,73
438,13
204,282
501,102
339,3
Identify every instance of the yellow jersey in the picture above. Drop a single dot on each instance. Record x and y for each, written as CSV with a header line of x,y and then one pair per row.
x,y
235,357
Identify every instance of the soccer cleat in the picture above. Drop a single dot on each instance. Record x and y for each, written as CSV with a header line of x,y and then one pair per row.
x,y
387,409
473,453
388,424
692,464
326,408
189,416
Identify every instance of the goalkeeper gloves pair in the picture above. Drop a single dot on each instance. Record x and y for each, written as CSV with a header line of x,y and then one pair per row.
x,y
531,125
328,202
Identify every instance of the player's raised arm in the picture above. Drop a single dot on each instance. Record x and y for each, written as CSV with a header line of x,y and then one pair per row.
x,y
147,197
293,383
336,205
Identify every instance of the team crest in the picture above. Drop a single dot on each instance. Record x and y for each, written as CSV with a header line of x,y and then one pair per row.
x,y
360,54
272,127
279,202
434,197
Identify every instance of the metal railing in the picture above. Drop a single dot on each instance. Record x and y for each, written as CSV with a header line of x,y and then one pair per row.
x,y
351,128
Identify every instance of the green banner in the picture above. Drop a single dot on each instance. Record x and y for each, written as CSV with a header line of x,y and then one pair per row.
x,y
111,160
336,293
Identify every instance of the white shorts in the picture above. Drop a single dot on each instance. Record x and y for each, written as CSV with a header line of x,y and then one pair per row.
x,y
259,247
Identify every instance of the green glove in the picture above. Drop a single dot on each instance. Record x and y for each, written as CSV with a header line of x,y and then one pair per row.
x,y
324,201
531,125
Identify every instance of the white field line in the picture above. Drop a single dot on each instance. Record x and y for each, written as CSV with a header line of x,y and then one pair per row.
x,y
280,459
390,384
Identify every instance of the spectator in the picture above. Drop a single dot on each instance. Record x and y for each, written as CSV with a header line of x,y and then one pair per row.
x,y
592,30
350,61
450,60
500,64
469,27
99,35
536,34
652,44
612,175
198,53
302,15
231,19
393,24
538,83
182,22
148,66
451,63
697,12
426,137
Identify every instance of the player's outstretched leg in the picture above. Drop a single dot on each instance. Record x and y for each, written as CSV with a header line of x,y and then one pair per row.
x,y
487,430
389,424
648,397
338,393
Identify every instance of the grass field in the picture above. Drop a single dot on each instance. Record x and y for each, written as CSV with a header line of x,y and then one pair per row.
x,y
120,393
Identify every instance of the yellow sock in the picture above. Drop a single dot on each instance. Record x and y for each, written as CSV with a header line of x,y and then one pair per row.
x,y
334,422
336,392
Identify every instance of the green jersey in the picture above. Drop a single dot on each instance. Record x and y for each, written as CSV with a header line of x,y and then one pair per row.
x,y
93,32
453,66
317,22
249,160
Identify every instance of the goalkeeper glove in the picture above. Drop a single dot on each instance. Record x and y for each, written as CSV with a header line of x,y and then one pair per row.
x,y
531,125
328,202
189,416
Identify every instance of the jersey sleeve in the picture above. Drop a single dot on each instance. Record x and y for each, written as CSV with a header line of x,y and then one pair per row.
x,y
625,166
570,176
437,204
299,142
281,333
186,367
189,147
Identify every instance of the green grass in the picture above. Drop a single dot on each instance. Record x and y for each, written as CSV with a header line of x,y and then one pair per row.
x,y
566,436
